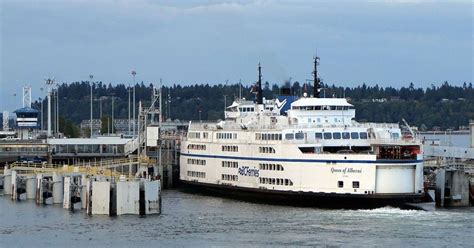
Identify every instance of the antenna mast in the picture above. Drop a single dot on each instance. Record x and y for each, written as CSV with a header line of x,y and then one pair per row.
x,y
259,86
316,80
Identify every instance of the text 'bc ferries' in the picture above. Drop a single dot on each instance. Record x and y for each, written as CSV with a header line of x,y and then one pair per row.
x,y
306,151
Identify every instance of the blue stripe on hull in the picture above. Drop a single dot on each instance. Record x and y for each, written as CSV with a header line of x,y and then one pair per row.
x,y
295,160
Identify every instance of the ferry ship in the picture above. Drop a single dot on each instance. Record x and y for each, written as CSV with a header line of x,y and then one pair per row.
x,y
306,150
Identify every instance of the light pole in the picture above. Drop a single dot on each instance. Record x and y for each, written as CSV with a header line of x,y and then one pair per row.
x,y
41,124
57,110
134,73
41,99
91,77
49,82
112,128
129,91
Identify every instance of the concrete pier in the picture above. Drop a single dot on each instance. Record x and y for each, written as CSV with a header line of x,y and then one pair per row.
x,y
452,188
98,193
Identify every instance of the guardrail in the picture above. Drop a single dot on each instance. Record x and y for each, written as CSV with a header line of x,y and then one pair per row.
x,y
103,168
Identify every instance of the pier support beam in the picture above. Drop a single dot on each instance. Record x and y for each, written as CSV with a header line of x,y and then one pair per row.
x,y
128,198
7,181
100,198
152,197
30,187
58,188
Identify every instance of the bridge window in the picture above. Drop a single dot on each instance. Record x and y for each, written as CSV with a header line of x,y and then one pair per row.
x,y
327,136
346,135
299,136
336,135
363,135
289,136
354,135
318,135
395,135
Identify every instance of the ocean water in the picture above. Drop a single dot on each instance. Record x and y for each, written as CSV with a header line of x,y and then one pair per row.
x,y
192,220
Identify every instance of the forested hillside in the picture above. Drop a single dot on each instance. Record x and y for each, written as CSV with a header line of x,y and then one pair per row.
x,y
443,106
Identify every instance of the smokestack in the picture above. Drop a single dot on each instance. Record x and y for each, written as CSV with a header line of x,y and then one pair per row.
x,y
259,86
316,81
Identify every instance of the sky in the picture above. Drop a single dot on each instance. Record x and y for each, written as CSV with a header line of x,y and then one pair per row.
x,y
389,43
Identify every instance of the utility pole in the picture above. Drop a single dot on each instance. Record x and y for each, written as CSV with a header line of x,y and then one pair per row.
x,y
134,73
91,77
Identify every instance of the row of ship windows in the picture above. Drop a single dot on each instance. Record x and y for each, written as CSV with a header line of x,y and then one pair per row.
x,y
277,167
278,136
197,135
355,184
228,177
268,136
230,164
246,109
276,181
327,135
265,149
322,107
226,135
198,174
196,161
343,135
196,147
230,148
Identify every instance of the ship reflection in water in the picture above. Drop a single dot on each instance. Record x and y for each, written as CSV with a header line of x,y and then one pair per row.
x,y
196,220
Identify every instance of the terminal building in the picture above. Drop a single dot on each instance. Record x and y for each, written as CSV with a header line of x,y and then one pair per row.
x,y
26,122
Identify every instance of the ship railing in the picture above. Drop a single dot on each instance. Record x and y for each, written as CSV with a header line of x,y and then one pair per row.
x,y
237,126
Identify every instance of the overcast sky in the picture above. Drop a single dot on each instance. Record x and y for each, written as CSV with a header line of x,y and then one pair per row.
x,y
390,43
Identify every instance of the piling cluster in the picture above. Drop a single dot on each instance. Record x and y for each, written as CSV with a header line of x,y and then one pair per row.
x,y
79,191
